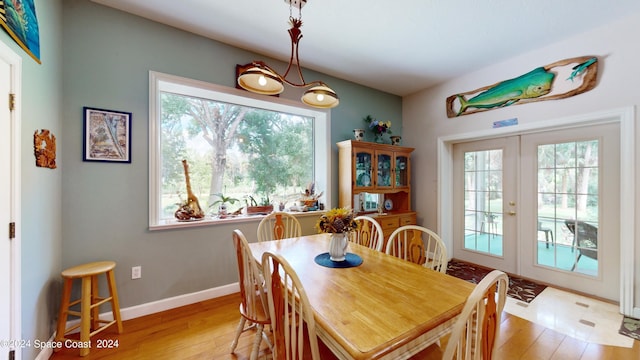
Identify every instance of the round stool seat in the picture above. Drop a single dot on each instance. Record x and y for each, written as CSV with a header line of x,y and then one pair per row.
x,y
89,269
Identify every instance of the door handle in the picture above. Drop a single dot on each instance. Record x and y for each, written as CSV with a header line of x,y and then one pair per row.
x,y
512,213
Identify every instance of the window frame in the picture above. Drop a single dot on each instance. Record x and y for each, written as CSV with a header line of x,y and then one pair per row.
x,y
159,82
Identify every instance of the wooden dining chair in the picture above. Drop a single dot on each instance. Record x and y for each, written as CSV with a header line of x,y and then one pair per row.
x,y
475,331
278,225
419,245
254,305
290,311
369,233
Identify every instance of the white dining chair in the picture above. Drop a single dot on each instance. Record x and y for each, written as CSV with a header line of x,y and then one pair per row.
x,y
419,245
278,225
289,310
369,233
254,305
475,331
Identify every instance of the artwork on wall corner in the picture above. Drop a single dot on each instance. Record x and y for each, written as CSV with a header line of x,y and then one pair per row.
x,y
18,18
107,135
44,148
558,80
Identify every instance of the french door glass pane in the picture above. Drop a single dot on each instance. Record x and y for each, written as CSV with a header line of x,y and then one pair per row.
x,y
483,201
568,206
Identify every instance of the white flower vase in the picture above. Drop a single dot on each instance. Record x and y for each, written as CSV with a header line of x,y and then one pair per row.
x,y
358,134
338,246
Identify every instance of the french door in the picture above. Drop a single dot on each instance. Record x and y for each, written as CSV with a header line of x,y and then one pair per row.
x,y
542,205
485,195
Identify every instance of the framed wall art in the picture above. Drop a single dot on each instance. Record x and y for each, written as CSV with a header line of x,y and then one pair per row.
x,y
107,135
18,18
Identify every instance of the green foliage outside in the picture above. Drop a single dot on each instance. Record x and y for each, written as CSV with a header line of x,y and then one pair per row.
x,y
232,151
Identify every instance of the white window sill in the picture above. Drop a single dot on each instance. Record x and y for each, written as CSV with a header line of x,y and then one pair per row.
x,y
213,221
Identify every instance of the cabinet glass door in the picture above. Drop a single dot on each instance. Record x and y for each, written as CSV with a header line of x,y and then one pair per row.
x,y
363,169
402,170
384,169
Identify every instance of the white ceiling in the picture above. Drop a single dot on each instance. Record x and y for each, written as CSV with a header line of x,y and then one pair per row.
x,y
395,46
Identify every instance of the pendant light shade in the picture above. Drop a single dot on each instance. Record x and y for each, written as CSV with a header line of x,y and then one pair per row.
x,y
262,79
321,97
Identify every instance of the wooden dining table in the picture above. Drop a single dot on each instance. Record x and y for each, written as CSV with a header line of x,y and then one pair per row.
x,y
385,308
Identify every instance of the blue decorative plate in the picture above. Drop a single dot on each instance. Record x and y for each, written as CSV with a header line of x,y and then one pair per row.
x,y
351,260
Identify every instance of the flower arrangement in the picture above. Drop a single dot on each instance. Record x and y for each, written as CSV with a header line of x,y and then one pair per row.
x,y
378,127
338,220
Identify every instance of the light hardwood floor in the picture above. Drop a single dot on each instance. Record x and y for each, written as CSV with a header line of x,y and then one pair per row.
x,y
205,330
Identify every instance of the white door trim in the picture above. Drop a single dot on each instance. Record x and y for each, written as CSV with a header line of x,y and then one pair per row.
x,y
625,116
15,61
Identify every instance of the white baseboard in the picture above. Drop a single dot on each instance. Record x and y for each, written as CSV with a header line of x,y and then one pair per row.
x,y
155,307
46,352
174,302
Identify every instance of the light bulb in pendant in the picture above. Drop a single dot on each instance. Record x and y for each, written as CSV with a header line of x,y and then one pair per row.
x,y
262,80
320,97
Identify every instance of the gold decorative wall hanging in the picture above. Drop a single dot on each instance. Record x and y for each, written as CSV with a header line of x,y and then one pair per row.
x,y
44,146
558,80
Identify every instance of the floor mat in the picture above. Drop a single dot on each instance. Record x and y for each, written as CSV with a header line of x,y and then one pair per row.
x,y
630,327
521,289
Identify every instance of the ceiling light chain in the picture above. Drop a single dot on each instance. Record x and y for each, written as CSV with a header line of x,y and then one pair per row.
x,y
262,79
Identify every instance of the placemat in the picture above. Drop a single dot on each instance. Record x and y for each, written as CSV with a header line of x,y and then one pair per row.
x,y
351,260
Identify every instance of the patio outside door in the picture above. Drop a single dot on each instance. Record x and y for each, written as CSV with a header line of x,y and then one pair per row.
x,y
485,208
570,211
543,205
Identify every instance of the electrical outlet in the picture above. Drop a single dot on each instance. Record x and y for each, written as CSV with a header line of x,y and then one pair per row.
x,y
136,272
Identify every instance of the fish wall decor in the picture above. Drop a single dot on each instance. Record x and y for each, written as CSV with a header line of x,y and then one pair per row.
x,y
561,79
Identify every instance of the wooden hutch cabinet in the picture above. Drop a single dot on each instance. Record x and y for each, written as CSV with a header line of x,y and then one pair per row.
x,y
375,178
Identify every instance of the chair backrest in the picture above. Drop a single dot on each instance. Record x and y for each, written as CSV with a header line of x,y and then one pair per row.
x,y
369,233
586,237
290,311
419,245
254,298
474,333
278,225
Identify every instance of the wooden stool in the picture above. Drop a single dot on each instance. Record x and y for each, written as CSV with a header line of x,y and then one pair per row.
x,y
89,303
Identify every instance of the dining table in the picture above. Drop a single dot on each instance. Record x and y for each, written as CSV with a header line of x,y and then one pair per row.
x,y
383,308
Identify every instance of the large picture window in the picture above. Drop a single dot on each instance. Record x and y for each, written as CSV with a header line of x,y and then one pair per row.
x,y
237,147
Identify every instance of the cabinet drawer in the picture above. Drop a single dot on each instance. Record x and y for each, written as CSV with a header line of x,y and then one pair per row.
x,y
391,222
408,220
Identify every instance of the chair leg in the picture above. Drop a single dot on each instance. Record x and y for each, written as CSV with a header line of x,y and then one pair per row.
x,y
546,238
95,311
549,234
85,317
265,337
64,311
576,262
115,302
239,330
256,342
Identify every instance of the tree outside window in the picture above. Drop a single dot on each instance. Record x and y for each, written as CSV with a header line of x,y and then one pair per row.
x,y
237,147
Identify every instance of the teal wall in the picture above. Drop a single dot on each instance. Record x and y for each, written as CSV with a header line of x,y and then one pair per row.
x,y
40,198
96,56
107,58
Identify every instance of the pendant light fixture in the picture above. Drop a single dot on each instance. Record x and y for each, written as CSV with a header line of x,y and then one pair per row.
x,y
260,78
